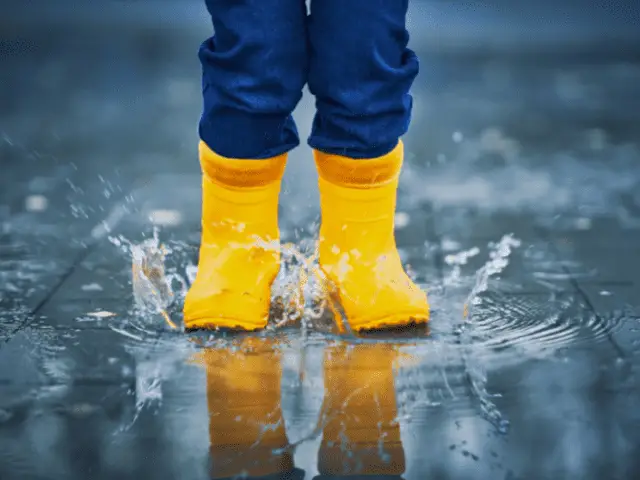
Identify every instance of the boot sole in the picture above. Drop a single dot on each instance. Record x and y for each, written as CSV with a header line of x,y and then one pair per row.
x,y
225,323
397,320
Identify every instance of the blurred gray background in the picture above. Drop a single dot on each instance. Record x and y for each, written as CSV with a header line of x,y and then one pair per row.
x,y
112,87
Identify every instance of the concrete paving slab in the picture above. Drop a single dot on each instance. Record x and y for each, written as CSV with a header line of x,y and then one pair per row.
x,y
47,356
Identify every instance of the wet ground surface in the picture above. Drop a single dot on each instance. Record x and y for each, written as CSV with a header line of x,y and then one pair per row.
x,y
519,213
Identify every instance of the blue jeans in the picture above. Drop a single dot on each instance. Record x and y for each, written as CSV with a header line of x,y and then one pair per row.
x,y
352,53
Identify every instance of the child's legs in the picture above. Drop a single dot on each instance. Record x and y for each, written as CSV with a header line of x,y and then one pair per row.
x,y
360,72
254,69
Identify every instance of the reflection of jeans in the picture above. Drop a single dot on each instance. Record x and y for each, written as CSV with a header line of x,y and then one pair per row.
x,y
352,53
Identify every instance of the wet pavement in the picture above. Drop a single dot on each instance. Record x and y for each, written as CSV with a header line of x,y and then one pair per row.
x,y
519,212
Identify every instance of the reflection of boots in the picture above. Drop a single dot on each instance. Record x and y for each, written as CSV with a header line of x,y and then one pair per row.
x,y
246,425
360,433
239,256
357,245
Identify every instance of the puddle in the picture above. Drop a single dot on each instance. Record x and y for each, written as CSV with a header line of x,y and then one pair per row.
x,y
297,385
475,329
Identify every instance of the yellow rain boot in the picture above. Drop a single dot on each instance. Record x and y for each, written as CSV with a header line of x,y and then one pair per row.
x,y
246,427
357,247
360,433
239,253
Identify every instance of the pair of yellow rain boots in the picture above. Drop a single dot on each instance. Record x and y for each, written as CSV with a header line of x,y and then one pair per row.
x,y
240,257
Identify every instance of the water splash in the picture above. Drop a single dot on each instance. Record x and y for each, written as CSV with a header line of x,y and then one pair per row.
x,y
477,375
498,261
456,261
152,286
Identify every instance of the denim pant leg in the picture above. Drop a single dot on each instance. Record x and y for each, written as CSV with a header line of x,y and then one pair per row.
x,y
360,72
254,69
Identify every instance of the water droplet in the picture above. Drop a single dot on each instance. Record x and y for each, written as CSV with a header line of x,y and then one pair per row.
x,y
91,287
101,314
402,220
503,426
166,218
36,203
583,223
